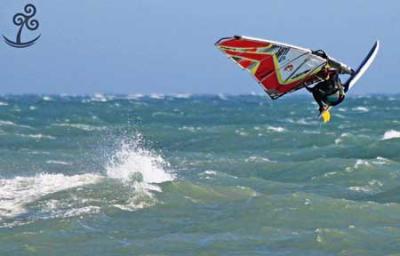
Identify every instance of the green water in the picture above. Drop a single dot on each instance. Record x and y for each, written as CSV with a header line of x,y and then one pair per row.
x,y
198,175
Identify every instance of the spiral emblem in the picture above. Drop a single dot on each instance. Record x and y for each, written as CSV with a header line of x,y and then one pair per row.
x,y
24,20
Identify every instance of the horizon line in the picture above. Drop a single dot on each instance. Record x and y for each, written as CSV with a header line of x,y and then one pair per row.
x,y
176,95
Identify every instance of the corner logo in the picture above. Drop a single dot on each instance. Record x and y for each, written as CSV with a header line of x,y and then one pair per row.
x,y
288,67
24,20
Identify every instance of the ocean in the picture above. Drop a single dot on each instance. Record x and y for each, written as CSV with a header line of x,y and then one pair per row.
x,y
198,175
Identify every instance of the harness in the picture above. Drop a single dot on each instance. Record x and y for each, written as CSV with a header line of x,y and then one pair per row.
x,y
331,91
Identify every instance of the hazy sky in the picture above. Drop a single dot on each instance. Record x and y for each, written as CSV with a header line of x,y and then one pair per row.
x,y
167,46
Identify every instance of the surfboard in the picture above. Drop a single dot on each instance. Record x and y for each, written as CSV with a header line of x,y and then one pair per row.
x,y
359,72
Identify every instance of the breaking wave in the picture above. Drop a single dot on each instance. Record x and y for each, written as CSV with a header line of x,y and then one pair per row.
x,y
139,169
133,170
16,193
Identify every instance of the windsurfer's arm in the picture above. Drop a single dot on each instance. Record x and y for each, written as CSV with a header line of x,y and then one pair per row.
x,y
342,68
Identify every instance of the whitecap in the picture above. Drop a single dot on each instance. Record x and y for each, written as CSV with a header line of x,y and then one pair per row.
x,y
302,121
372,186
137,169
360,163
276,129
360,109
10,123
98,97
157,96
182,95
18,192
84,127
59,209
6,123
391,134
189,128
365,189
340,139
131,159
36,136
257,159
57,162
210,172
241,132
381,161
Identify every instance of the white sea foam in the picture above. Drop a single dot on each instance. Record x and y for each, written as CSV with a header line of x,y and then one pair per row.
x,y
361,109
3,103
157,96
190,128
139,169
39,152
77,212
17,192
47,98
372,186
98,97
241,132
60,209
391,134
6,123
340,139
359,163
57,162
84,127
131,159
302,121
381,161
36,136
208,174
365,189
182,95
10,123
257,159
276,129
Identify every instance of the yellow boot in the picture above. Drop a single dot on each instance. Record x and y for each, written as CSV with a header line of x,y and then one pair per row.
x,y
326,116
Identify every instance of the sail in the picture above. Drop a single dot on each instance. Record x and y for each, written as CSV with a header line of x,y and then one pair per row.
x,y
280,68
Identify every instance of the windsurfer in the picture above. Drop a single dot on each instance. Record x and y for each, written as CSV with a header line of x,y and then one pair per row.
x,y
331,91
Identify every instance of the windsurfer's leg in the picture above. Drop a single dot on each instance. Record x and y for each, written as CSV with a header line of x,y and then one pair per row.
x,y
318,99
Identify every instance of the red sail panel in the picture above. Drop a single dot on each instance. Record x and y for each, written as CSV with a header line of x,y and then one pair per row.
x,y
278,67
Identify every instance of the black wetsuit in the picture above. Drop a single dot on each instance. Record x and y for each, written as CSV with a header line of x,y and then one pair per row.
x,y
330,92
